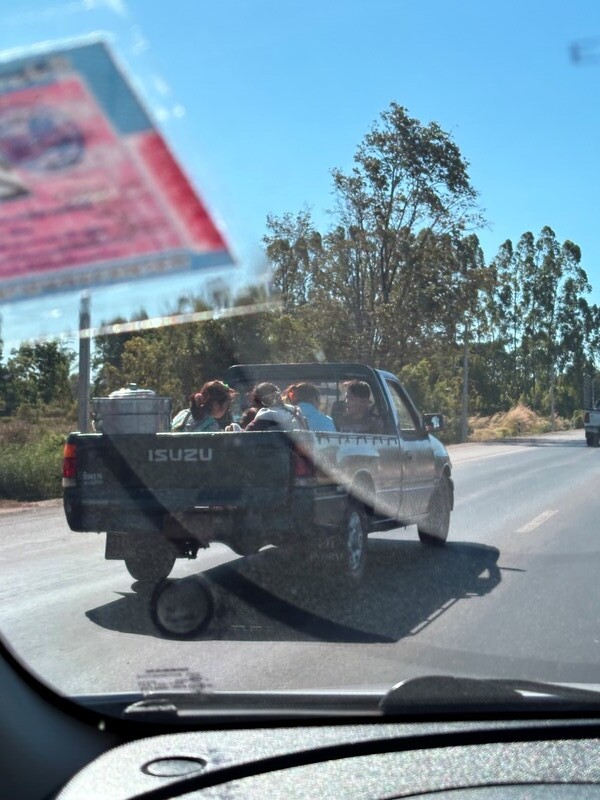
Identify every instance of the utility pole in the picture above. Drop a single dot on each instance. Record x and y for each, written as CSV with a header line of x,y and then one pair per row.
x,y
588,392
464,410
552,401
83,406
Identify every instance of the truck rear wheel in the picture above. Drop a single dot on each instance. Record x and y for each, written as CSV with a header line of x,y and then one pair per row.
x,y
152,563
434,528
352,544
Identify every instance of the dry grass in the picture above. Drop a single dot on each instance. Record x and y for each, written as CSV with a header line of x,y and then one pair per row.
x,y
519,421
21,431
31,457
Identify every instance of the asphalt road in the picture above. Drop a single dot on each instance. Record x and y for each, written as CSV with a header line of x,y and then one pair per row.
x,y
515,592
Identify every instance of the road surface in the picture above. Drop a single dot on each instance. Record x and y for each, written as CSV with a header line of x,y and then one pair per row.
x,y
515,592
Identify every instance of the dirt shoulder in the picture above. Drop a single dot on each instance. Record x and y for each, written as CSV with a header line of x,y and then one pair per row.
x,y
17,507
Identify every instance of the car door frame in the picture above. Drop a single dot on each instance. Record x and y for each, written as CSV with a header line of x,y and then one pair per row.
x,y
417,461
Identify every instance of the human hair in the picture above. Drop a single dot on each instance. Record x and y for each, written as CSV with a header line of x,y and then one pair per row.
x,y
288,395
212,393
306,393
247,417
358,389
266,395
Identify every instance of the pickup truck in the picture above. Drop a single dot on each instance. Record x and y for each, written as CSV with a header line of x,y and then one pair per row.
x,y
162,496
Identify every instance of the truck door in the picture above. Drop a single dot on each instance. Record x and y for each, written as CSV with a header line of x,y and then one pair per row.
x,y
416,455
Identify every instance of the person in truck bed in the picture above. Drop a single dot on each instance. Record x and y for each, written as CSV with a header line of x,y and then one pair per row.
x,y
207,407
308,399
272,412
358,415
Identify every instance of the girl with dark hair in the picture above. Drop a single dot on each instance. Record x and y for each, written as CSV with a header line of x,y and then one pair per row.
x,y
207,407
272,412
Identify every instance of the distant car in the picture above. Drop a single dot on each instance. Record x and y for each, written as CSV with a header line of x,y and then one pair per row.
x,y
591,424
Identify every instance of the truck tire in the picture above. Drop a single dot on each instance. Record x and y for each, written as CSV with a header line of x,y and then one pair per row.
x,y
589,439
151,564
596,439
244,547
351,548
434,528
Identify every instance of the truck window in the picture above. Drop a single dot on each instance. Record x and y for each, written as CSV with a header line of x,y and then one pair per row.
x,y
407,421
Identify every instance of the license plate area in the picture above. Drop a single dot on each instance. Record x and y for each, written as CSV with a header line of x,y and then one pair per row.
x,y
204,524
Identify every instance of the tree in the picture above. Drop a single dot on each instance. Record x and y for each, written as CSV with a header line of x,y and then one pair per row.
x,y
407,177
542,317
108,352
293,247
37,374
374,281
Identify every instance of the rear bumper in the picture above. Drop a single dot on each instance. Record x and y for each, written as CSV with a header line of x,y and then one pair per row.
x,y
261,516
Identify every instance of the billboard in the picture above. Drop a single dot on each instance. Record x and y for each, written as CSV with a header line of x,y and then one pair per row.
x,y
90,193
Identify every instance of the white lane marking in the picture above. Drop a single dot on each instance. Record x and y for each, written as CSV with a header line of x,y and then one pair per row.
x,y
433,616
537,521
510,452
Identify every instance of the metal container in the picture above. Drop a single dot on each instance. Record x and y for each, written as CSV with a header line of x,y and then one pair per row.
x,y
131,410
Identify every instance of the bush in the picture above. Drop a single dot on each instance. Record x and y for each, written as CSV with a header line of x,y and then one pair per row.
x,y
577,419
450,434
14,431
32,471
29,413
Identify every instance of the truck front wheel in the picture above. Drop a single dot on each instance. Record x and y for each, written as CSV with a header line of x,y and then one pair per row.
x,y
151,564
434,528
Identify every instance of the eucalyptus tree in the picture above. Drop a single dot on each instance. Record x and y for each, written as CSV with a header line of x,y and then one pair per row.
x,y
542,315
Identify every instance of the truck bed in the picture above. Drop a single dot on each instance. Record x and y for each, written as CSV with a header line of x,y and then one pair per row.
x,y
152,475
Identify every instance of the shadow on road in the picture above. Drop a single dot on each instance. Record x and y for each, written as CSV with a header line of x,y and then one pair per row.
x,y
272,596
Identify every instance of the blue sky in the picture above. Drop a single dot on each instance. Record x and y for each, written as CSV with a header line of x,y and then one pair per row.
x,y
261,99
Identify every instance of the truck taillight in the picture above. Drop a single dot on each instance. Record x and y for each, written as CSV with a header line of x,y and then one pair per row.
x,y
69,470
302,464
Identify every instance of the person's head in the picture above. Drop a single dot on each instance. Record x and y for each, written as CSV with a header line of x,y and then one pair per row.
x,y
266,395
358,398
213,400
306,393
289,395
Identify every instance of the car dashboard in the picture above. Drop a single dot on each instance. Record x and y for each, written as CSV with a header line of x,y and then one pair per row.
x,y
54,748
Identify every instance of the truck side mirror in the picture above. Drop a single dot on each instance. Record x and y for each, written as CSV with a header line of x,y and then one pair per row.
x,y
433,422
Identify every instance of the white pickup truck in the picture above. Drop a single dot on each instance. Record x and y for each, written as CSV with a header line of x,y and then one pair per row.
x,y
162,496
591,423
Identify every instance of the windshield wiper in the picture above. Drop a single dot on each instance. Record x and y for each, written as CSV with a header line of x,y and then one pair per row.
x,y
433,695
182,706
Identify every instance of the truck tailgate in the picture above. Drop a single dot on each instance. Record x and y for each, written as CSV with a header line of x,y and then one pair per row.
x,y
171,472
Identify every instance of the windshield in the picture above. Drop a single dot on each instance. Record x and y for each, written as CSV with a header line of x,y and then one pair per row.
x,y
299,343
